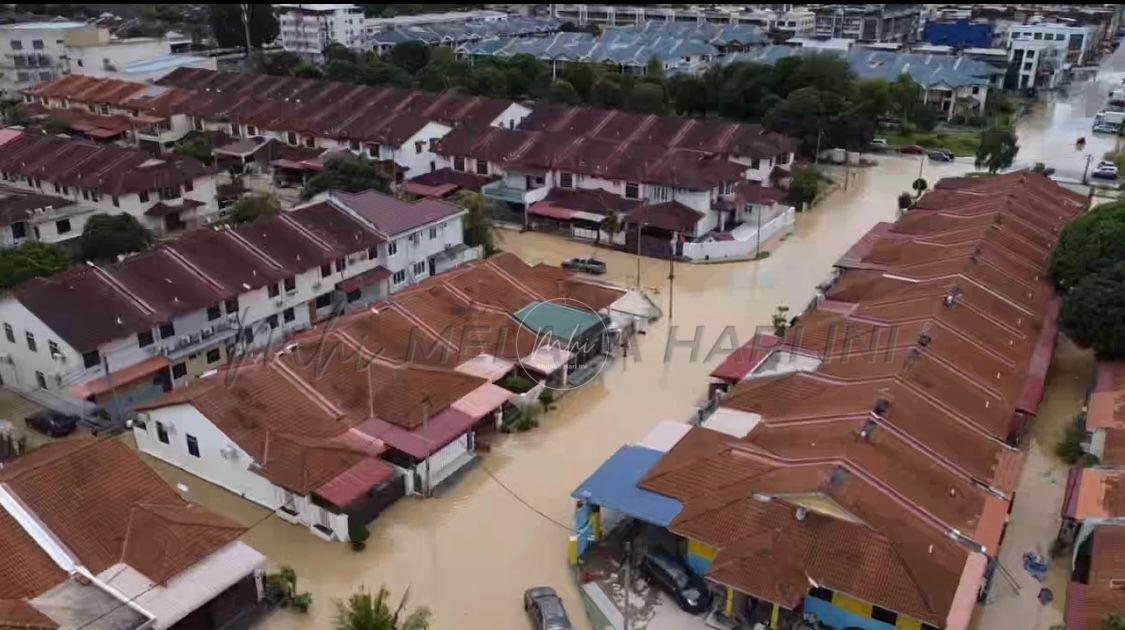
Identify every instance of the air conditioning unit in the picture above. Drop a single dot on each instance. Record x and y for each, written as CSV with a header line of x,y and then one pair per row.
x,y
58,356
279,303
229,452
207,332
185,340
232,318
195,337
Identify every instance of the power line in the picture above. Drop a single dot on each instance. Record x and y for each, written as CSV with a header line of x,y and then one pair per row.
x,y
133,599
526,504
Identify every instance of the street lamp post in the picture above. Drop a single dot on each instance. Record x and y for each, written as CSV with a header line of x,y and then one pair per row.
x,y
639,226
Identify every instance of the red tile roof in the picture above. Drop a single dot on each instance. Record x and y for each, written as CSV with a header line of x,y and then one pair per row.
x,y
672,216
18,205
1103,593
106,507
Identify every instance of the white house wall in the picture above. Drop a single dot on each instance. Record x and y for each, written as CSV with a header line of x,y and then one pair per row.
x,y
23,364
231,472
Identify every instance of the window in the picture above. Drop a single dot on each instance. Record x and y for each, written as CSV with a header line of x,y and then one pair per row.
x,y
91,358
272,321
62,226
373,252
291,138
214,312
392,248
882,614
419,268
291,284
310,142
632,190
353,145
274,290
415,238
143,195
1030,54
9,333
288,315
161,432
17,44
251,130
53,348
40,380
231,306
144,338
168,192
341,264
433,233
323,300
399,277
458,163
1027,66
189,185
19,230
566,180
419,146
116,202
37,44
179,370
482,167
167,329
353,295
31,341
192,445
325,270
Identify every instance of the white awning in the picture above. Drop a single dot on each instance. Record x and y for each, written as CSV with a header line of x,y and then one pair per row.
x,y
546,360
732,422
487,367
665,435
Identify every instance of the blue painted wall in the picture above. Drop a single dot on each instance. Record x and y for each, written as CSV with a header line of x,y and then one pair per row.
x,y
835,617
962,34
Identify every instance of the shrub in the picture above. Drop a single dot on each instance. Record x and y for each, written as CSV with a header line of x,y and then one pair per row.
x,y
1069,447
517,384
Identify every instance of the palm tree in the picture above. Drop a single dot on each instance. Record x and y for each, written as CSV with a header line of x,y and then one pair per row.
x,y
611,224
364,611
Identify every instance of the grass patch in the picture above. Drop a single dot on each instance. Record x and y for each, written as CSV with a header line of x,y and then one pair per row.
x,y
1116,158
762,256
961,145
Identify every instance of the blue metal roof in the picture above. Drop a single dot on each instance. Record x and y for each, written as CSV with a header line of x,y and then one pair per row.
x,y
614,485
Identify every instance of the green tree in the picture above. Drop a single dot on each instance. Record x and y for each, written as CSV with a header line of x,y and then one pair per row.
x,y
364,611
690,96
251,208
803,187
563,92
306,70
582,77
198,149
1093,312
611,224
919,186
282,63
654,69
12,113
375,72
55,125
487,80
524,75
107,236
904,97
607,92
998,148
646,98
1091,243
226,25
336,51
411,55
351,174
872,98
1113,621
30,260
432,78
341,70
478,222
905,200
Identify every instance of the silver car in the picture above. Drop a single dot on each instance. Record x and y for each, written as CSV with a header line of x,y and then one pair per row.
x,y
545,608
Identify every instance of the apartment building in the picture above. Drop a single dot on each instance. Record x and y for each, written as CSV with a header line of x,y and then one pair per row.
x,y
1040,54
94,538
158,319
167,193
868,22
36,52
307,29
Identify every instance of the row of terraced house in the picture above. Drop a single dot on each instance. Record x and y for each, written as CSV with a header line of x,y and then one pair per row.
x,y
699,187
860,467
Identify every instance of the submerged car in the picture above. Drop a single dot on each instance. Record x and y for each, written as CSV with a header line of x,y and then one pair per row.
x,y
52,423
545,608
587,265
940,155
878,144
912,149
689,590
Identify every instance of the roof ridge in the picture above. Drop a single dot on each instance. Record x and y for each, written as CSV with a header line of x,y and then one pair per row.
x,y
308,390
512,279
120,288
408,314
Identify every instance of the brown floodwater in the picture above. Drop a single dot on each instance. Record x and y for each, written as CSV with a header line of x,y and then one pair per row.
x,y
503,527
469,553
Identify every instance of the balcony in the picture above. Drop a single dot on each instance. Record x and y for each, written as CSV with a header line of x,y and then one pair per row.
x,y
501,191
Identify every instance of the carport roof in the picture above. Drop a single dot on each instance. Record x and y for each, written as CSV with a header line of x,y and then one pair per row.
x,y
615,485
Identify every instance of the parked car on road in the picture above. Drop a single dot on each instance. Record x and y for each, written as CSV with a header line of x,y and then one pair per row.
x,y
1105,170
52,423
587,265
912,149
689,590
940,155
545,608
878,144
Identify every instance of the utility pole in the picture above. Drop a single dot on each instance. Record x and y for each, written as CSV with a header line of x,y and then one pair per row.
x,y
628,578
639,226
758,245
816,156
672,276
425,425
246,27
1086,171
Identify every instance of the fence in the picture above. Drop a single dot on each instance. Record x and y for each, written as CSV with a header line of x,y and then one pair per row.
x,y
745,239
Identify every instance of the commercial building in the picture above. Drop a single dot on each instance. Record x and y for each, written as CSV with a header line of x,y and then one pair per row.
x,y
868,22
36,52
1040,54
867,456
307,29
93,537
960,34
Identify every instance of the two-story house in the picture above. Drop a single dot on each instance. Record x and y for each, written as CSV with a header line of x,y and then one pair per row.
x,y
166,193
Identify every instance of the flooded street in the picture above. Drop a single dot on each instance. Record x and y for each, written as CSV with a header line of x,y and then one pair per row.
x,y
469,553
